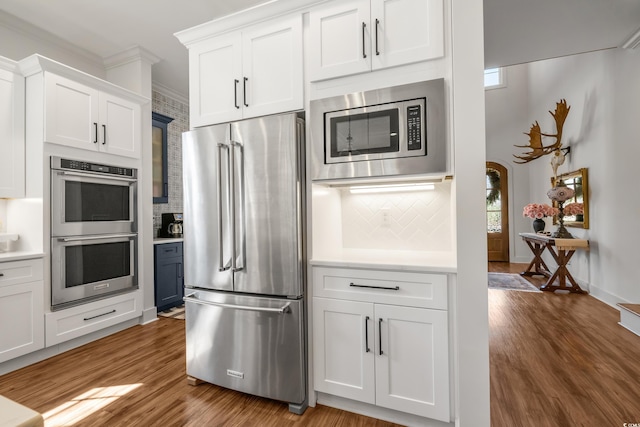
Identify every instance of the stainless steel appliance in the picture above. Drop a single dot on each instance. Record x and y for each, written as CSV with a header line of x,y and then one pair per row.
x,y
171,225
380,133
93,231
244,257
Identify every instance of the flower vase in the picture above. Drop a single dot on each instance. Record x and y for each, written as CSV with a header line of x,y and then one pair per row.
x,y
538,225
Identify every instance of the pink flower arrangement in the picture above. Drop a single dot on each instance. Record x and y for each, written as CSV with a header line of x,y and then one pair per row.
x,y
538,211
573,209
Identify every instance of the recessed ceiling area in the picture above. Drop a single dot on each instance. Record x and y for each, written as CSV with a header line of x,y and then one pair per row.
x,y
516,31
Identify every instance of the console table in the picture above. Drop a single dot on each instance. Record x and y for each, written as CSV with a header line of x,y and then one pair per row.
x,y
561,250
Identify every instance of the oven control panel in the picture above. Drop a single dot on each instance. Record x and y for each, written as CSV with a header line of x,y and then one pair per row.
x,y
414,127
91,167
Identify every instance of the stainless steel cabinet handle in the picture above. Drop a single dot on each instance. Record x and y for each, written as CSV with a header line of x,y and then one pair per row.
x,y
99,315
366,334
364,52
104,134
377,25
100,237
89,175
388,288
221,267
280,310
235,93
95,129
380,335
244,92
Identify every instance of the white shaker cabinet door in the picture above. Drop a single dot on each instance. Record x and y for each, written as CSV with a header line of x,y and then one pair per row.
x,y
215,80
340,42
272,66
343,352
406,31
412,360
71,113
120,127
12,172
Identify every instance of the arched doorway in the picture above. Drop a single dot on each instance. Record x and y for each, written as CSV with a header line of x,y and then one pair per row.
x,y
497,213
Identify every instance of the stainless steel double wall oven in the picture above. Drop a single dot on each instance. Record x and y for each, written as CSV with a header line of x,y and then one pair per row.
x,y
93,231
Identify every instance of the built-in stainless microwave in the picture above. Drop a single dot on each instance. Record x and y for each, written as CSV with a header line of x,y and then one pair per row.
x,y
387,132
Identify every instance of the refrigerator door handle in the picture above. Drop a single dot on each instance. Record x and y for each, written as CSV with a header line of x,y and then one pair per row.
x,y
280,310
236,190
222,265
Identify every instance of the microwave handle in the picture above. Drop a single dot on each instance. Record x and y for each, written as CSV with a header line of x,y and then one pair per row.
x,y
100,237
86,175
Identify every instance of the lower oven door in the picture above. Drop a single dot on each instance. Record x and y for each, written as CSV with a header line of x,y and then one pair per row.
x,y
84,268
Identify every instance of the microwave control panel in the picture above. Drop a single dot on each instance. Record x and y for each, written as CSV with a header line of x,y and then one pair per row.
x,y
414,127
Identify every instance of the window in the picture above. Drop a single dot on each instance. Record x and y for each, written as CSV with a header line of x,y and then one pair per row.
x,y
494,78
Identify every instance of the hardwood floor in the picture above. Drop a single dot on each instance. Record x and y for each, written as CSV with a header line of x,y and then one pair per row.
x,y
556,360
559,360
137,378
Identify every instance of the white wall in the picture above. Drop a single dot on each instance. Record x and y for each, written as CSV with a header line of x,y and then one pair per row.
x,y
507,118
602,129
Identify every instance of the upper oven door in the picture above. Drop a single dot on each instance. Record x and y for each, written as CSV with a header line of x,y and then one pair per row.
x,y
385,131
85,203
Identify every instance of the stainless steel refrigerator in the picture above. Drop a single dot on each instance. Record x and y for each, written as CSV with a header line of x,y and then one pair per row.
x,y
244,257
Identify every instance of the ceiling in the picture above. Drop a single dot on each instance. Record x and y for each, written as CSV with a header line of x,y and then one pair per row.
x,y
516,31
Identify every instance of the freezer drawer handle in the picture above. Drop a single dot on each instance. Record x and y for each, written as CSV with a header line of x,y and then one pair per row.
x,y
389,288
281,310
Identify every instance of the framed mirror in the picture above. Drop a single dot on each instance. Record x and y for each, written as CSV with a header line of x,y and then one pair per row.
x,y
579,182
159,157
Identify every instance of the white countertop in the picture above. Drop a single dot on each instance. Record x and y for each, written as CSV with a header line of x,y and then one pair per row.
x,y
19,255
161,240
442,262
13,414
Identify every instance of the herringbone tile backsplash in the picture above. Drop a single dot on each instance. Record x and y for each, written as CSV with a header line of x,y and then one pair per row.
x,y
418,221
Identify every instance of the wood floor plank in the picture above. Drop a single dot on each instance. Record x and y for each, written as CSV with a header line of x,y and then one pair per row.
x,y
152,356
555,359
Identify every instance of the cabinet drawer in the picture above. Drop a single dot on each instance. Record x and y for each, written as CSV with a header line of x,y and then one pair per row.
x,y
389,287
16,272
74,322
166,250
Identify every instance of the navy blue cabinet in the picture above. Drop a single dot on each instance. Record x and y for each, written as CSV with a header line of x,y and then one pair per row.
x,y
169,275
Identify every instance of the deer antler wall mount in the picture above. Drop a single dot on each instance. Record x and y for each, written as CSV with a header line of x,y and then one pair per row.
x,y
537,148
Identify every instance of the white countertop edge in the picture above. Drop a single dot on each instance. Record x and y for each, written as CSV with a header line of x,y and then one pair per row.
x,y
161,240
19,255
427,268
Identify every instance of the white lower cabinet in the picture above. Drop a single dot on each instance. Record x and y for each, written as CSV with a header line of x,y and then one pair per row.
x,y
21,308
393,356
75,322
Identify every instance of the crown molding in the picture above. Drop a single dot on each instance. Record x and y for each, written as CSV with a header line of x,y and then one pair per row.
x,y
170,93
132,54
633,41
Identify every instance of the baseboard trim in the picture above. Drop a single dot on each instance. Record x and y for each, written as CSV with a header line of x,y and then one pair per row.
x,y
149,315
373,411
604,296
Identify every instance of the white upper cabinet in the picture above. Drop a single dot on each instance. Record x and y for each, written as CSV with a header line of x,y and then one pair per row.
x,y
81,116
349,37
12,172
248,73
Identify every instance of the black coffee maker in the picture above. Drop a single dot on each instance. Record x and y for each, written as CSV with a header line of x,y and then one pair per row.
x,y
171,225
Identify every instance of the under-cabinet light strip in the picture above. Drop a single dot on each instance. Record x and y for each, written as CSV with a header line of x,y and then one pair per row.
x,y
362,189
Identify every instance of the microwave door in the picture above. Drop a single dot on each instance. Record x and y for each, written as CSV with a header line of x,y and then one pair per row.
x,y
206,230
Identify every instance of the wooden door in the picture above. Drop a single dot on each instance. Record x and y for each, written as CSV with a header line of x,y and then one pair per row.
x,y
497,213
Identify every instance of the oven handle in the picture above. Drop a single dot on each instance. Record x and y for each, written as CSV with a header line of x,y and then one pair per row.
x,y
100,237
280,310
91,175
